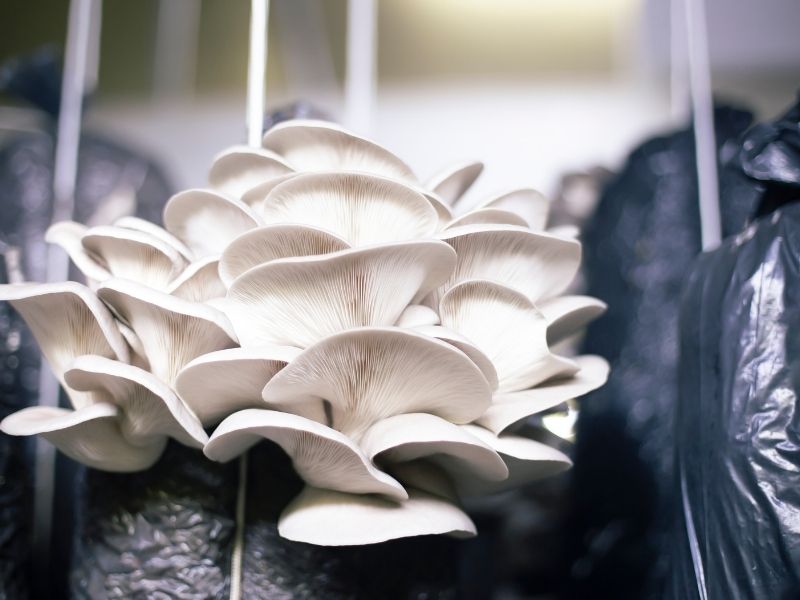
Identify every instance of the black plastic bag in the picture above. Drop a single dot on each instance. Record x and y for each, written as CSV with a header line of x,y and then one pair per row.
x,y
737,430
638,247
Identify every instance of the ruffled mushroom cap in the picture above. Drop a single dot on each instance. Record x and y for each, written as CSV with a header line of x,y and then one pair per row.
x,y
453,182
207,221
89,435
330,518
220,383
273,242
536,264
298,301
507,326
126,426
112,251
322,456
240,168
530,208
309,145
67,320
361,376
512,407
360,209
172,331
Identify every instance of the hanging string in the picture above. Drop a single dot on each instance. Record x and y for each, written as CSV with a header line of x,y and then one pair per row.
x,y
256,71
360,77
703,119
256,79
80,64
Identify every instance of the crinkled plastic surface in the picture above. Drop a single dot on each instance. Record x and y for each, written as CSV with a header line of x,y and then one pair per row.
x,y
738,419
163,533
638,248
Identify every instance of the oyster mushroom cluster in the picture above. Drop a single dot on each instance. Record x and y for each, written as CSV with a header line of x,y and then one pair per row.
x,y
318,296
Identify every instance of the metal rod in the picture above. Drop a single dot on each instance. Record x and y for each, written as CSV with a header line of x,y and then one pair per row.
x,y
703,117
81,47
361,74
257,71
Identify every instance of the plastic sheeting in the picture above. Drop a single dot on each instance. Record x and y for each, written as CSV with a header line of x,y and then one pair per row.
x,y
738,419
737,495
638,248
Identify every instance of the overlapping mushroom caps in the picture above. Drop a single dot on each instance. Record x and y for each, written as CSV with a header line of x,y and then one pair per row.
x,y
318,296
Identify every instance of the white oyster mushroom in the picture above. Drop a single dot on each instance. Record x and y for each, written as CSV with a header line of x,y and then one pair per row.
x,y
451,183
221,383
536,264
207,221
172,331
111,251
67,320
319,297
360,209
509,408
309,145
331,518
238,169
529,207
124,428
298,301
507,326
361,376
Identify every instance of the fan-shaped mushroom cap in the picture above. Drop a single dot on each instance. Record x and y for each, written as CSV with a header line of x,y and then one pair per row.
x,y
173,331
508,328
537,264
297,301
527,461
512,407
199,282
531,206
67,320
442,210
89,435
162,234
149,409
361,209
309,145
412,436
488,216
329,518
219,383
255,196
567,315
322,456
272,242
134,255
68,235
369,374
474,353
451,183
206,221
240,168
417,315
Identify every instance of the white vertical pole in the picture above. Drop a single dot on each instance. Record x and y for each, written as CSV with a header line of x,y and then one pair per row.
x,y
256,71
361,74
81,47
256,80
703,116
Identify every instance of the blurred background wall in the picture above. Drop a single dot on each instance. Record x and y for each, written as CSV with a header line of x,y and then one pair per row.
x,y
532,87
